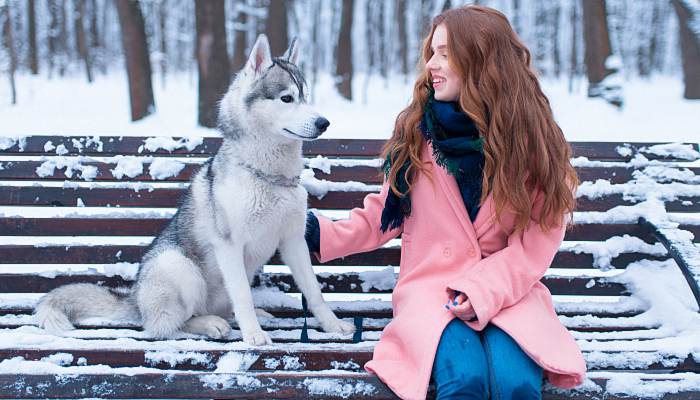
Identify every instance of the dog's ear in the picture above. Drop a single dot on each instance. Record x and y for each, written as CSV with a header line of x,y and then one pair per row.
x,y
260,58
292,53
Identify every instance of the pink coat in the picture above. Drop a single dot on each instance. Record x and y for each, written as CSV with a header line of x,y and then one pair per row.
x,y
443,251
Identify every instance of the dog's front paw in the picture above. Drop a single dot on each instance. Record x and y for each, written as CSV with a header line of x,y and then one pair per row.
x,y
256,337
338,326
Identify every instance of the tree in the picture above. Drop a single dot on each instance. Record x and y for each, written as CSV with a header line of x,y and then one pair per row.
x,y
276,27
240,40
6,24
690,45
403,35
138,63
598,51
31,37
212,58
58,45
343,69
80,41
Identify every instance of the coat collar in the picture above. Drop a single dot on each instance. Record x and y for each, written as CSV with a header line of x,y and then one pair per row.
x,y
449,186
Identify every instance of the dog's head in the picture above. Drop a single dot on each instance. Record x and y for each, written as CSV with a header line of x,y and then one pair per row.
x,y
270,95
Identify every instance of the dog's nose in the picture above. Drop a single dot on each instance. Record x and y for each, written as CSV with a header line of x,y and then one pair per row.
x,y
321,124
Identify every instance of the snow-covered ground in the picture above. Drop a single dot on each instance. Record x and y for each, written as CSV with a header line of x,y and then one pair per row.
x,y
654,110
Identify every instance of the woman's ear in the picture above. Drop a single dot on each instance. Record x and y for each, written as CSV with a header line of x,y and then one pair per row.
x,y
292,53
260,58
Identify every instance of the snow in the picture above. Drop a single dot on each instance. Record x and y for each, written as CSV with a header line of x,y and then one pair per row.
x,y
174,358
127,166
153,144
652,107
604,252
162,168
71,164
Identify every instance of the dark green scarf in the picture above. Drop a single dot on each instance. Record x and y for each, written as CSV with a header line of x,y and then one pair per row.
x,y
457,147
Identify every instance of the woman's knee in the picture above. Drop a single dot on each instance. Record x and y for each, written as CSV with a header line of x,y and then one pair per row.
x,y
513,374
460,369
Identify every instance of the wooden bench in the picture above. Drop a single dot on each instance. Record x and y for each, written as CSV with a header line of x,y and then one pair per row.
x,y
80,209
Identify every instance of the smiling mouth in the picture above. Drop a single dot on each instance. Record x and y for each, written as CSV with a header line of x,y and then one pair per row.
x,y
299,136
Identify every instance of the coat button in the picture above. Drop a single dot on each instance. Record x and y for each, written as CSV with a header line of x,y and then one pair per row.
x,y
471,252
446,252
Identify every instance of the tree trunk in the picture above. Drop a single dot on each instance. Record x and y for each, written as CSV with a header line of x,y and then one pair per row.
x,y
343,70
403,36
573,67
597,51
276,27
516,17
162,17
138,63
31,37
80,41
555,39
212,58
240,42
690,49
597,40
6,24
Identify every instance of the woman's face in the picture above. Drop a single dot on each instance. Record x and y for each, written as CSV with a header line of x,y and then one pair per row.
x,y
446,82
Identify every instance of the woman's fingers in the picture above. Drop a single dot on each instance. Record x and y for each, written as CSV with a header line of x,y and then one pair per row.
x,y
464,311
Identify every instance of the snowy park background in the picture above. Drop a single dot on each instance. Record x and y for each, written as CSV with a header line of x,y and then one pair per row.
x,y
644,45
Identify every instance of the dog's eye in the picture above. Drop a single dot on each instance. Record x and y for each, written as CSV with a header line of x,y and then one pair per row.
x,y
287,98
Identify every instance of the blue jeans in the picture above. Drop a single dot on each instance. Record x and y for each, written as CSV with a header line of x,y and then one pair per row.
x,y
482,365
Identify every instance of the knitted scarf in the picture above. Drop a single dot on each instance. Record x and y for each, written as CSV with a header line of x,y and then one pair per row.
x,y
457,147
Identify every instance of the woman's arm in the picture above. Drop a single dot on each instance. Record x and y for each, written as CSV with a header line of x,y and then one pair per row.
x,y
359,233
506,276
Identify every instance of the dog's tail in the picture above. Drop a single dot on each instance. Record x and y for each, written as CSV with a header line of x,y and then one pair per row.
x,y
62,307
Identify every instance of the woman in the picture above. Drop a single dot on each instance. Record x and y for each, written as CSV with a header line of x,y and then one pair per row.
x,y
479,185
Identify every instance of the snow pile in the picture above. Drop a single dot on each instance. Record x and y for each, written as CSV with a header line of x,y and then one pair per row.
x,y
321,187
127,166
235,361
71,164
604,252
676,150
162,168
7,142
336,387
153,144
174,358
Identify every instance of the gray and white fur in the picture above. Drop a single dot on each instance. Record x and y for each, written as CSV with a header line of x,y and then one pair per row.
x,y
242,206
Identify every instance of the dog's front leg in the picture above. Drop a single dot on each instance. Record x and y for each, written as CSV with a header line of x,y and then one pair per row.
x,y
232,265
295,254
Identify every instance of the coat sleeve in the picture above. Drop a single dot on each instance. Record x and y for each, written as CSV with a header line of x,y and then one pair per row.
x,y
358,233
506,276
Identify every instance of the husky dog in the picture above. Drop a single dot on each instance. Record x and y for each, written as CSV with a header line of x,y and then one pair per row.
x,y
241,206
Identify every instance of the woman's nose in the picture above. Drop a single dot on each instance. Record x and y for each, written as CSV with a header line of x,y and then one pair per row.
x,y
431,65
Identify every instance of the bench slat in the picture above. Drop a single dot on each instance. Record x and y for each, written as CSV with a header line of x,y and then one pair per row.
x,y
170,197
110,254
330,283
373,313
269,360
130,145
27,170
260,385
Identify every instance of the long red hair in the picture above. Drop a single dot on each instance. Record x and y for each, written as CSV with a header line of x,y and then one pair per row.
x,y
524,148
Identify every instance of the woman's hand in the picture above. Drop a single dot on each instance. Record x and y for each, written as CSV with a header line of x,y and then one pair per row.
x,y
462,307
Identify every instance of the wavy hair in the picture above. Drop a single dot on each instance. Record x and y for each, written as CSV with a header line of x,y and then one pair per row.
x,y
524,148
